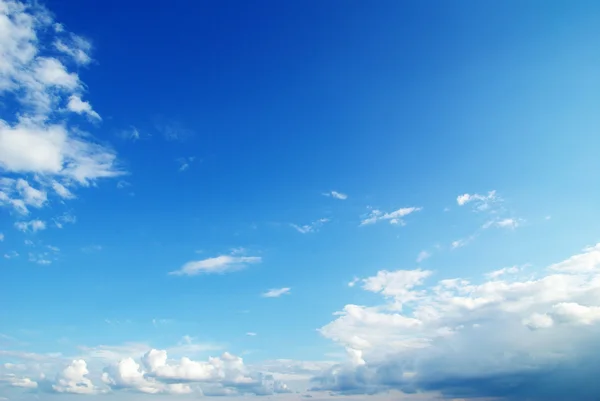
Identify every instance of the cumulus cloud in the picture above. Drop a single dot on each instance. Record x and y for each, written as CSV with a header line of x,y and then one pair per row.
x,y
73,379
217,264
512,336
336,195
38,140
276,292
310,228
156,373
394,217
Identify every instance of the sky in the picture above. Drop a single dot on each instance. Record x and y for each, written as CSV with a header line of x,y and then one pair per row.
x,y
336,200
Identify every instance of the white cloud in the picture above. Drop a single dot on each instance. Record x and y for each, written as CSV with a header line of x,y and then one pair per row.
x,y
76,47
465,338
482,202
91,248
394,217
422,256
76,105
11,255
65,218
459,243
185,162
37,138
25,382
310,228
33,225
73,379
336,195
226,374
19,194
276,292
251,334
504,271
61,190
218,264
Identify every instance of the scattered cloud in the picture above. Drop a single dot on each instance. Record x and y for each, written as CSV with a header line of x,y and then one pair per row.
x,y
65,218
481,202
91,248
503,272
37,140
422,256
276,292
123,184
76,105
30,226
185,162
336,195
217,264
75,46
459,243
394,217
471,339
174,131
130,134
310,228
11,255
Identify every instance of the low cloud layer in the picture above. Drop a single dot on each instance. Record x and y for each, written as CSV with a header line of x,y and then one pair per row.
x,y
520,335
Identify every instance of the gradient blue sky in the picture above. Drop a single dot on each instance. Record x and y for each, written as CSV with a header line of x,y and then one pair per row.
x,y
234,148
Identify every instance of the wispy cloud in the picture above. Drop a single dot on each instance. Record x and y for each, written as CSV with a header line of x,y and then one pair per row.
x,y
32,226
481,202
276,292
422,256
131,134
91,248
218,264
174,130
459,243
185,163
251,334
310,228
336,195
394,217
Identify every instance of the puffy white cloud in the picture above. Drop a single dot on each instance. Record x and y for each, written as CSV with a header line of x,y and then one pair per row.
x,y
226,374
217,264
394,217
310,228
529,336
37,139
276,292
336,195
33,225
73,379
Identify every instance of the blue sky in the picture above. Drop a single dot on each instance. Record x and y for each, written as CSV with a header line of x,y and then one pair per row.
x,y
283,194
